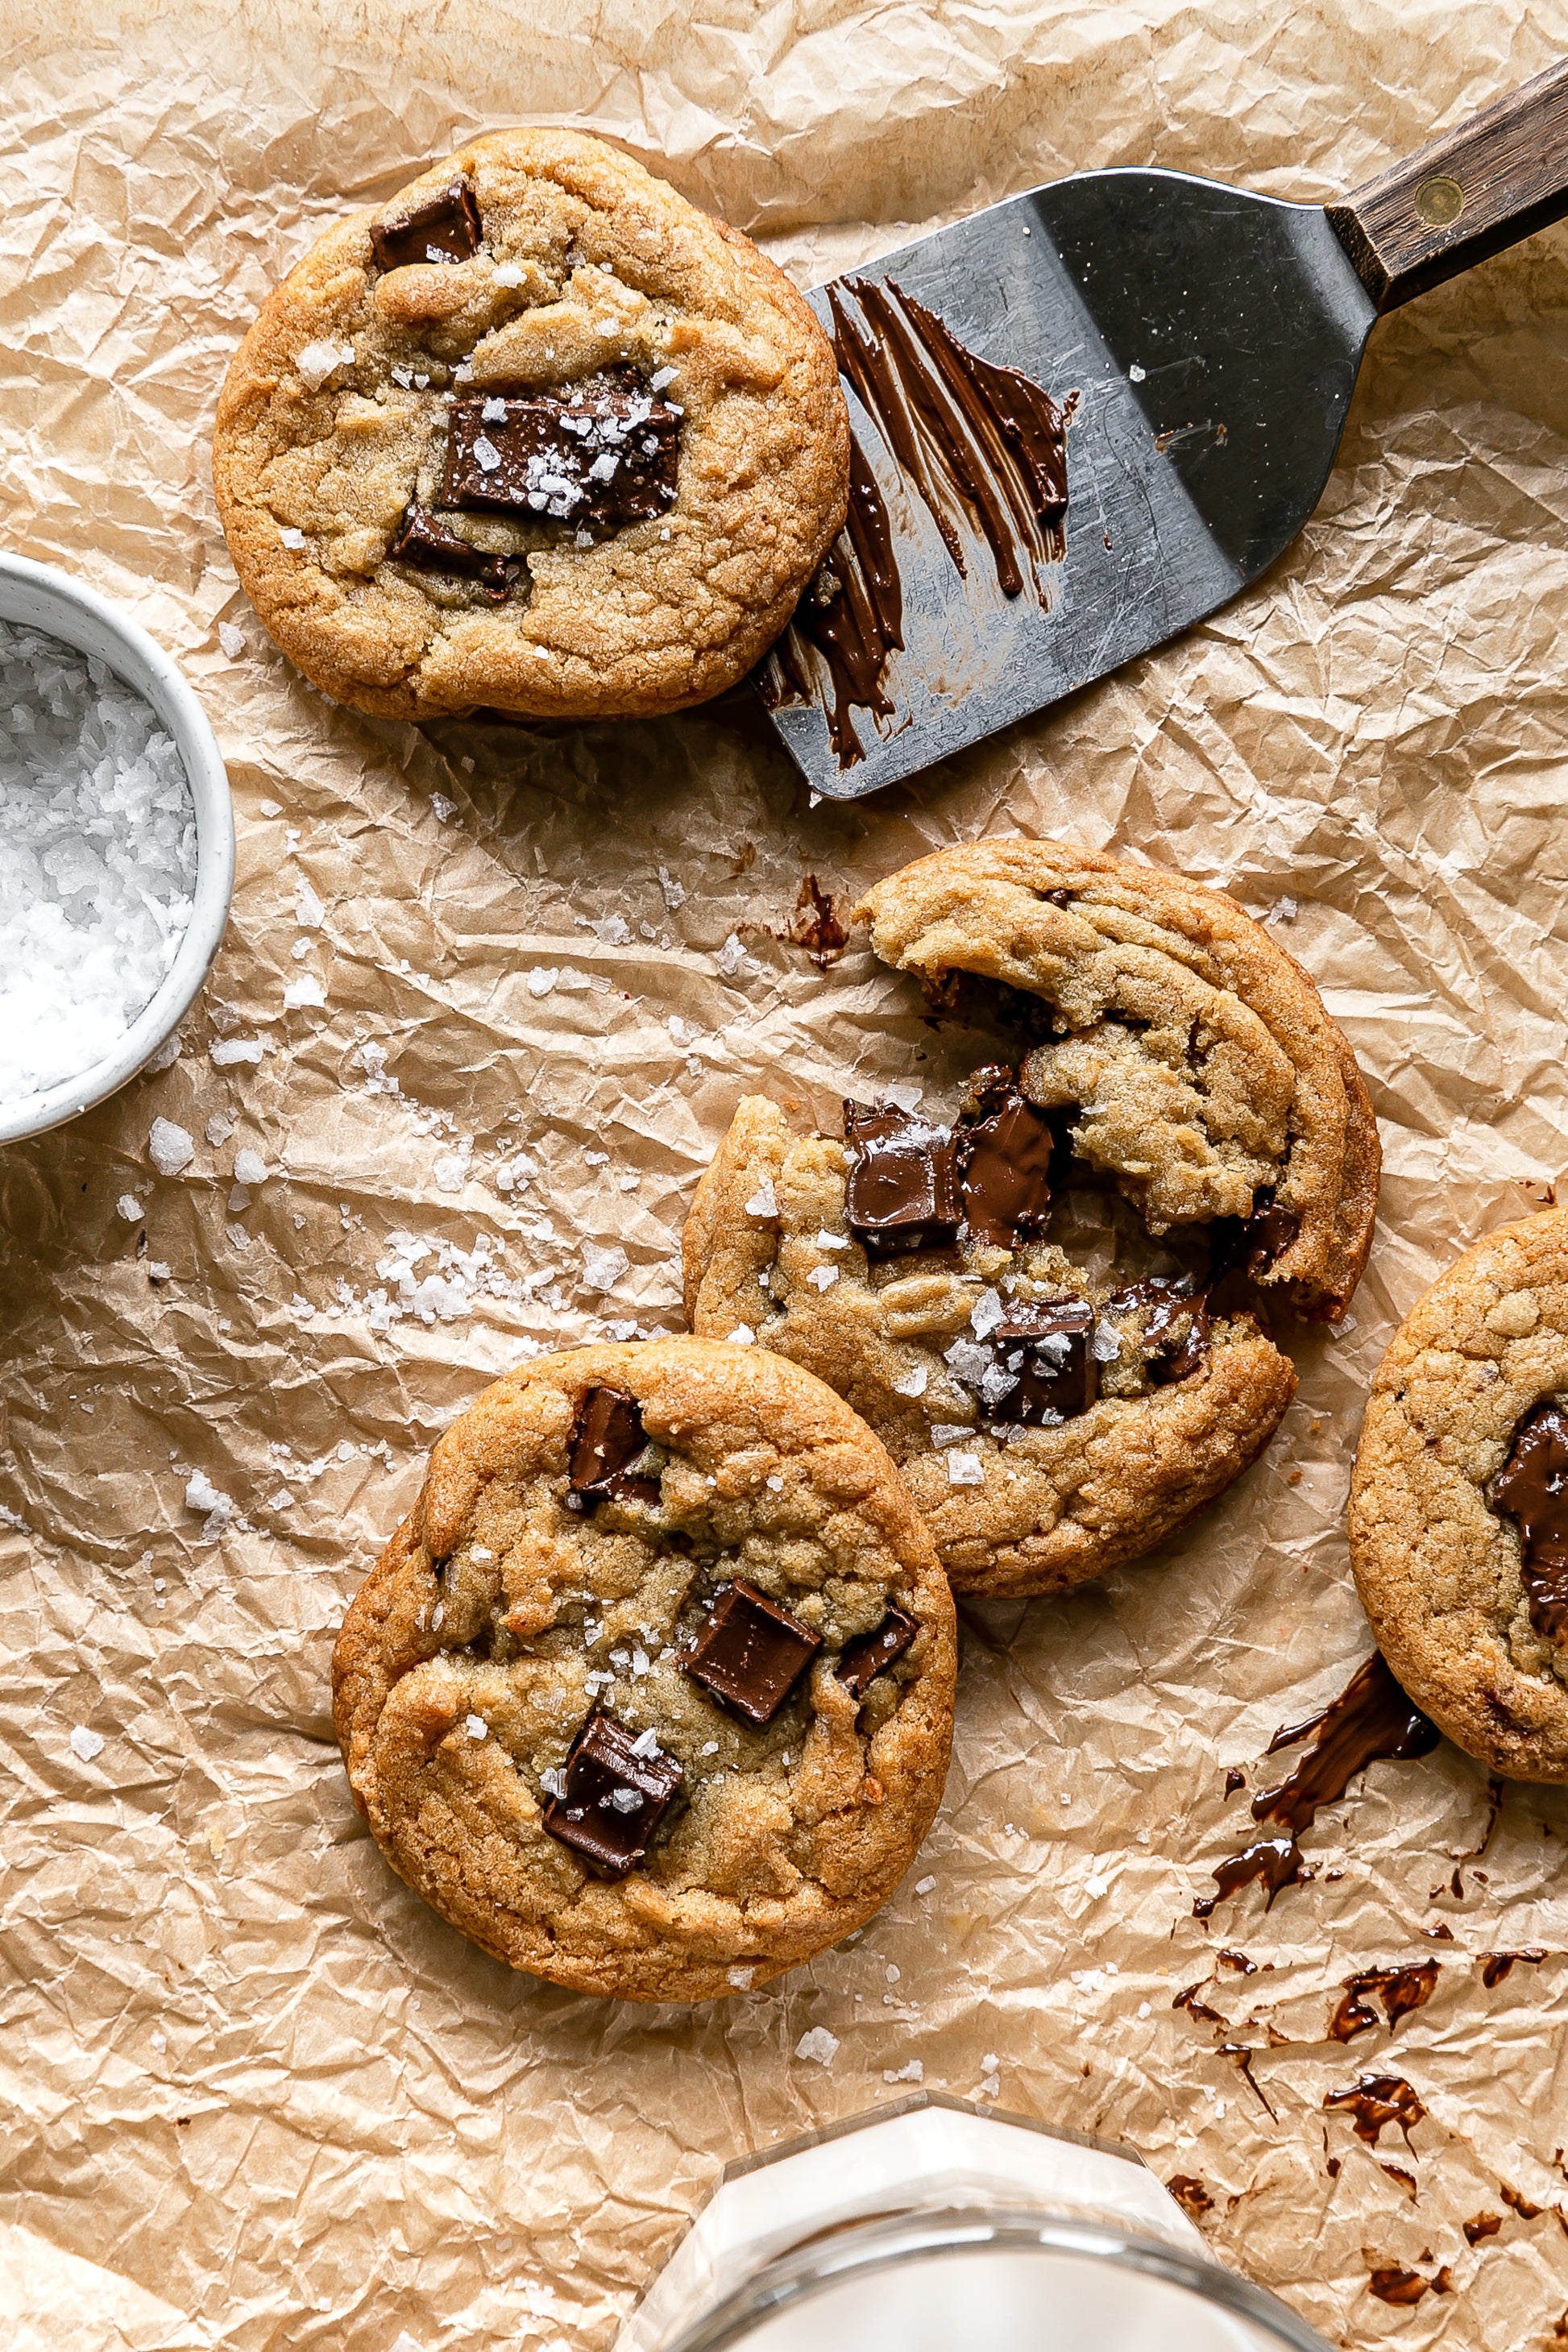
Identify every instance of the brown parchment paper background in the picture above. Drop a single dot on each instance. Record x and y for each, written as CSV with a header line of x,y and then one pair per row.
x,y
252,2094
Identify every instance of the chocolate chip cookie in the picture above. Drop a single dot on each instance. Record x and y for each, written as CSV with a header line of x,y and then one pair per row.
x,y
1459,1517
1043,1298
536,435
651,1693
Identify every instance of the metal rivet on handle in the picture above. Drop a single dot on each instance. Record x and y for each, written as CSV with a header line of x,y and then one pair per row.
x,y
1439,201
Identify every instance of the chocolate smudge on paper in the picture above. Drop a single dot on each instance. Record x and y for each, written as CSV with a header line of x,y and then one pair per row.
x,y
1399,1989
1496,1966
816,926
1190,2194
1375,2101
1371,1721
1403,2288
1485,2225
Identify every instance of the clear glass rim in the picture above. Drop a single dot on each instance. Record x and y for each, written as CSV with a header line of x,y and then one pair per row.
x,y
880,2244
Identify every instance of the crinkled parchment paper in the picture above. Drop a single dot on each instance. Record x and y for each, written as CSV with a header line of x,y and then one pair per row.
x,y
252,2093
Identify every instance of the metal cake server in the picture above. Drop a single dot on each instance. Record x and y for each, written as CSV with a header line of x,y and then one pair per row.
x,y
1204,343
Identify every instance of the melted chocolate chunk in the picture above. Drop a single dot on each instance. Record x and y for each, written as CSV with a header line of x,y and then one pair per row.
x,y
875,1652
446,228
750,1653
606,1441
1532,1488
1047,1346
615,1799
604,454
424,540
1171,1353
1003,1149
902,1192
1267,1235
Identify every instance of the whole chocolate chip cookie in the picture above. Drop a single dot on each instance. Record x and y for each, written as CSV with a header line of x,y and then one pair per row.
x,y
1042,1299
652,1692
1458,1517
537,434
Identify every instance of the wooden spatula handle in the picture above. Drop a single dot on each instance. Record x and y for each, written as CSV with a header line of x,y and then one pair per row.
x,y
1497,178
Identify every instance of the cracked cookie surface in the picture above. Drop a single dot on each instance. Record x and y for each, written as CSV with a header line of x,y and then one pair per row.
x,y
579,459
1440,1531
513,1611
1062,1385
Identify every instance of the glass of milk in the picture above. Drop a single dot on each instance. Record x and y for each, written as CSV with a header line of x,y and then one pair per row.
x,y
930,2225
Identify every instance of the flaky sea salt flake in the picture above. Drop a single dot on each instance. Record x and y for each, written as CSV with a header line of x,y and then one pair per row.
x,y
169,1148
86,1746
818,2046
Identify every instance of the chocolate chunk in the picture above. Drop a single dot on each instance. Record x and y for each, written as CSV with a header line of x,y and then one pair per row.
x,y
606,1441
1047,1346
615,1799
1532,1488
1267,1235
902,1192
446,228
750,1653
874,1653
605,454
1166,1306
424,540
1004,1158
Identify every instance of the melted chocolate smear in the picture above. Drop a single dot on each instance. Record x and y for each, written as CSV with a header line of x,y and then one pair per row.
x,y
603,455
1176,1330
1375,2102
1234,1780
814,925
1242,2054
1190,2002
446,228
853,614
1372,1720
1516,2203
983,445
1531,1488
1004,1159
1403,2288
1238,1961
1496,1966
1485,2225
1406,2180
1399,1989
424,540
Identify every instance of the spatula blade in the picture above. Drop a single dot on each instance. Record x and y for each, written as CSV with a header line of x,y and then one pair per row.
x,y
1208,340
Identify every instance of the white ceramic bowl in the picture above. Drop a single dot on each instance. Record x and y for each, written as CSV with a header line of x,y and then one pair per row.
x,y
37,596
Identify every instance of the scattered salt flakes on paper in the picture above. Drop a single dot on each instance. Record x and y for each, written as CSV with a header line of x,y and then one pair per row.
x,y
128,1207
732,958
904,1094
674,891
201,1495
913,2073
913,1384
403,2342
268,808
451,1171
85,1744
543,979
232,641
596,1158
603,1268
1284,910
166,1055
1095,1887
965,1470
308,908
306,989
444,810
476,1727
742,1336
250,1168
226,1051
610,930
169,1148
764,1201
925,1885
818,2045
